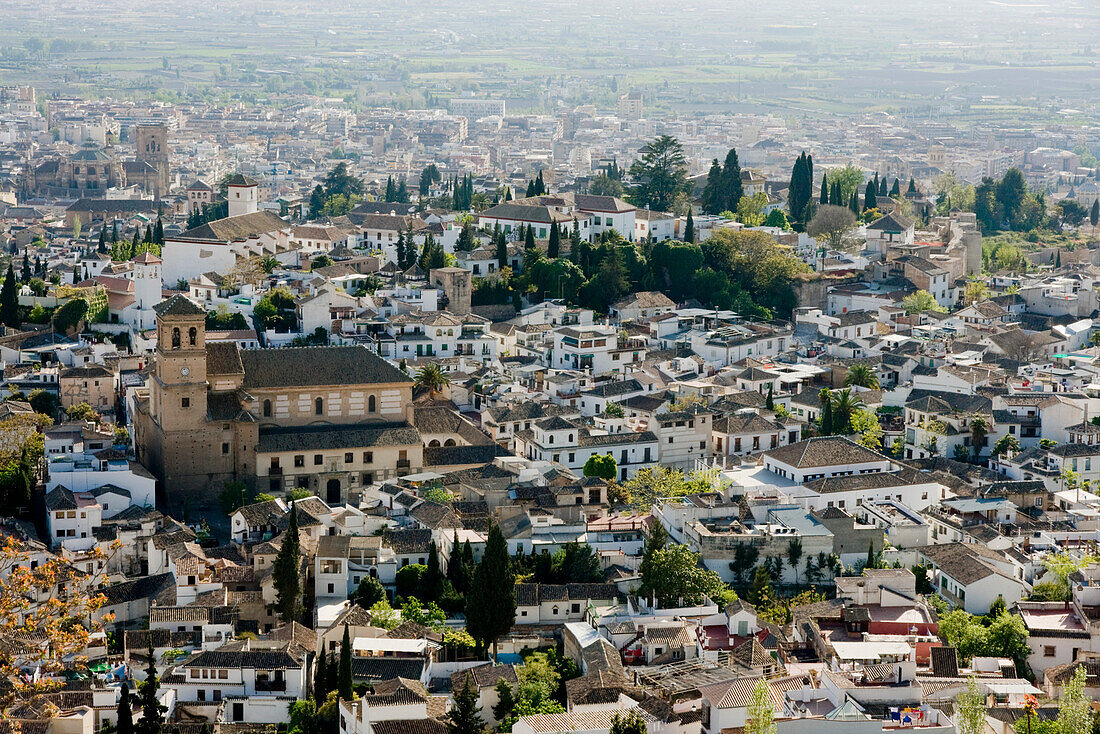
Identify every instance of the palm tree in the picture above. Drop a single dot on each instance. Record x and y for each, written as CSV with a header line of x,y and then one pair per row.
x,y
979,429
845,404
862,375
431,378
268,263
794,555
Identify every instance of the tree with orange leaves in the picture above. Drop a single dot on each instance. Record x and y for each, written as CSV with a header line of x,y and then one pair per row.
x,y
49,612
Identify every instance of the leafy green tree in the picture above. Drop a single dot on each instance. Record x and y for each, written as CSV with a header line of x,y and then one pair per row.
x,y
578,563
603,185
410,579
506,703
602,466
369,592
491,603
675,575
970,709
920,301
660,175
1074,708
760,713
286,572
629,723
832,226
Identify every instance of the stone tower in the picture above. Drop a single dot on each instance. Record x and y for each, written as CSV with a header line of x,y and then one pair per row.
x,y
456,284
151,146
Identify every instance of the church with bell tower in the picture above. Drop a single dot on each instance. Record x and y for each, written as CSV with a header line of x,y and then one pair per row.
x,y
328,419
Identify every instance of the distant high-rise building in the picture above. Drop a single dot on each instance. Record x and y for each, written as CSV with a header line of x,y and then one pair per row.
x,y
630,106
475,108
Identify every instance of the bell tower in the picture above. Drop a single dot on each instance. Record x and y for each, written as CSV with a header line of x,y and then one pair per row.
x,y
178,394
151,146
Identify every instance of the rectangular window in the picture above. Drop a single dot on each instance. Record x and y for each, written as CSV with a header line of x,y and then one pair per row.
x,y
368,457
349,457
318,459
225,448
299,460
185,402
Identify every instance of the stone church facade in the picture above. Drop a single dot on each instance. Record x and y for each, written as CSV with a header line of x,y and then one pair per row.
x,y
89,172
328,419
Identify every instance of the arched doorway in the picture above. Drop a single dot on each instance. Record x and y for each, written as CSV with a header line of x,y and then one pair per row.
x,y
332,492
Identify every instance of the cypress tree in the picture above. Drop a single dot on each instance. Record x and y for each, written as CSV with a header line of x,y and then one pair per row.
x,y
502,248
1094,214
125,712
344,679
508,193
464,717
432,581
712,191
529,238
102,239
9,300
795,202
391,192
402,194
114,231
135,245
689,228
26,267
853,203
540,186
824,188
870,563
152,713
835,195
320,679
491,603
148,239
553,249
332,672
895,190
912,186
769,402
826,413
575,241
530,189
158,233
882,186
458,572
400,249
732,190
870,199
285,572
